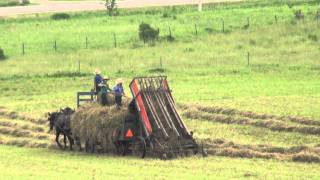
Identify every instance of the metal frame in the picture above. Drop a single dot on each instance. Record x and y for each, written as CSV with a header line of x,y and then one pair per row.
x,y
79,94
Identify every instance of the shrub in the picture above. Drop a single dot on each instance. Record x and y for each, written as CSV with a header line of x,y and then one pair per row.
x,y
60,16
299,14
169,15
317,16
2,56
25,2
147,33
209,30
12,3
313,37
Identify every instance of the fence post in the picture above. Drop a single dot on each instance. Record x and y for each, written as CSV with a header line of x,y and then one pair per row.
x,y
86,42
276,19
200,5
160,62
55,45
170,35
22,48
222,25
248,59
114,40
196,29
79,66
248,22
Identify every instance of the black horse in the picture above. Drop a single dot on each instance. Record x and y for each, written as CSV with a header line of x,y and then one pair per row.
x,y
61,122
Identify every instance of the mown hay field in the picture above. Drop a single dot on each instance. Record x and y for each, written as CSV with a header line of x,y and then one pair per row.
x,y
254,119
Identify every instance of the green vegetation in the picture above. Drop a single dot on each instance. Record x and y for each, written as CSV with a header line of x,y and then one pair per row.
x,y
59,16
260,58
50,164
2,56
4,3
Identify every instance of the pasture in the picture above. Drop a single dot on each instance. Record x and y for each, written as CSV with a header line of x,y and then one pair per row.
x,y
245,76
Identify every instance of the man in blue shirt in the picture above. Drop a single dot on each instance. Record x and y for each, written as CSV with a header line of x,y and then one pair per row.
x,y
118,92
98,79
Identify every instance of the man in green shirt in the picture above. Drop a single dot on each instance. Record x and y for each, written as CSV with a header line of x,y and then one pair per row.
x,y
103,93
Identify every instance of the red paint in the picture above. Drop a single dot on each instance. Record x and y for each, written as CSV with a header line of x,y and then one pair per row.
x,y
143,113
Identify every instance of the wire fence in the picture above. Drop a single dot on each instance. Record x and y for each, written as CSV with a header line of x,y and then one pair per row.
x,y
131,39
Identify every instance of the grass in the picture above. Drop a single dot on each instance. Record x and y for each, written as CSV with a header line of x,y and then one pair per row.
x,y
5,3
249,135
16,164
209,68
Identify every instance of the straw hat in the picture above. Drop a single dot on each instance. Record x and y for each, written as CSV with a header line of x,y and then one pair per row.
x,y
97,71
106,78
119,81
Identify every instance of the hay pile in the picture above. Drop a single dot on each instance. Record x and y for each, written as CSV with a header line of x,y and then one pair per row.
x,y
95,124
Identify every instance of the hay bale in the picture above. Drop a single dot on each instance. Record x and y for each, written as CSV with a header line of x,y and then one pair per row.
x,y
95,123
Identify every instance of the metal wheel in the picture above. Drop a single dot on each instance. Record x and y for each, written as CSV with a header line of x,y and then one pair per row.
x,y
139,147
121,149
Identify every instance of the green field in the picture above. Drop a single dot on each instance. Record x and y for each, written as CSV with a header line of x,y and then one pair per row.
x,y
41,163
205,65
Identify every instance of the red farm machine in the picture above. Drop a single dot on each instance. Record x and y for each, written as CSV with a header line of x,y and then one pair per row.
x,y
156,128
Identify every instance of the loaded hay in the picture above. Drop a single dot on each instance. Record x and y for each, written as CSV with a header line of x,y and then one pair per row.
x,y
95,124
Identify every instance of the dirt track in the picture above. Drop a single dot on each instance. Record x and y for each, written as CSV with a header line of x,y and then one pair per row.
x,y
44,6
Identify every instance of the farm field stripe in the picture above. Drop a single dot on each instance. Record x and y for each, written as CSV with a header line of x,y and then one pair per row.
x,y
220,147
24,143
272,124
25,126
253,115
22,133
15,115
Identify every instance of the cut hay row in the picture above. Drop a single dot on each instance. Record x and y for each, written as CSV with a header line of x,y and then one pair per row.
x,y
22,133
263,148
220,147
24,143
23,125
15,115
272,124
252,115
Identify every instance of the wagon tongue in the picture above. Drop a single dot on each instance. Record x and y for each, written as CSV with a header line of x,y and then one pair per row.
x,y
159,117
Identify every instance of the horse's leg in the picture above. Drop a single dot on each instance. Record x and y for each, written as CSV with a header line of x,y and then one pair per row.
x,y
79,143
71,141
64,141
86,146
93,147
57,139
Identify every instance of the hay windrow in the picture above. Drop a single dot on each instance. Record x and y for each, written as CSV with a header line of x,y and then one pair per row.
x,y
31,127
251,115
95,123
306,157
221,147
15,115
272,124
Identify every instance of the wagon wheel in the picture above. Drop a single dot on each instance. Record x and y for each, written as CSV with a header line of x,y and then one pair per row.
x,y
121,149
139,147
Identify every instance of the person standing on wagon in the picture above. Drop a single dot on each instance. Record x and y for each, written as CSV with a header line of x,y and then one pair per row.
x,y
118,92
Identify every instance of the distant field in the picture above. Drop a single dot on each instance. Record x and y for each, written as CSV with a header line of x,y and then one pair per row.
x,y
266,108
